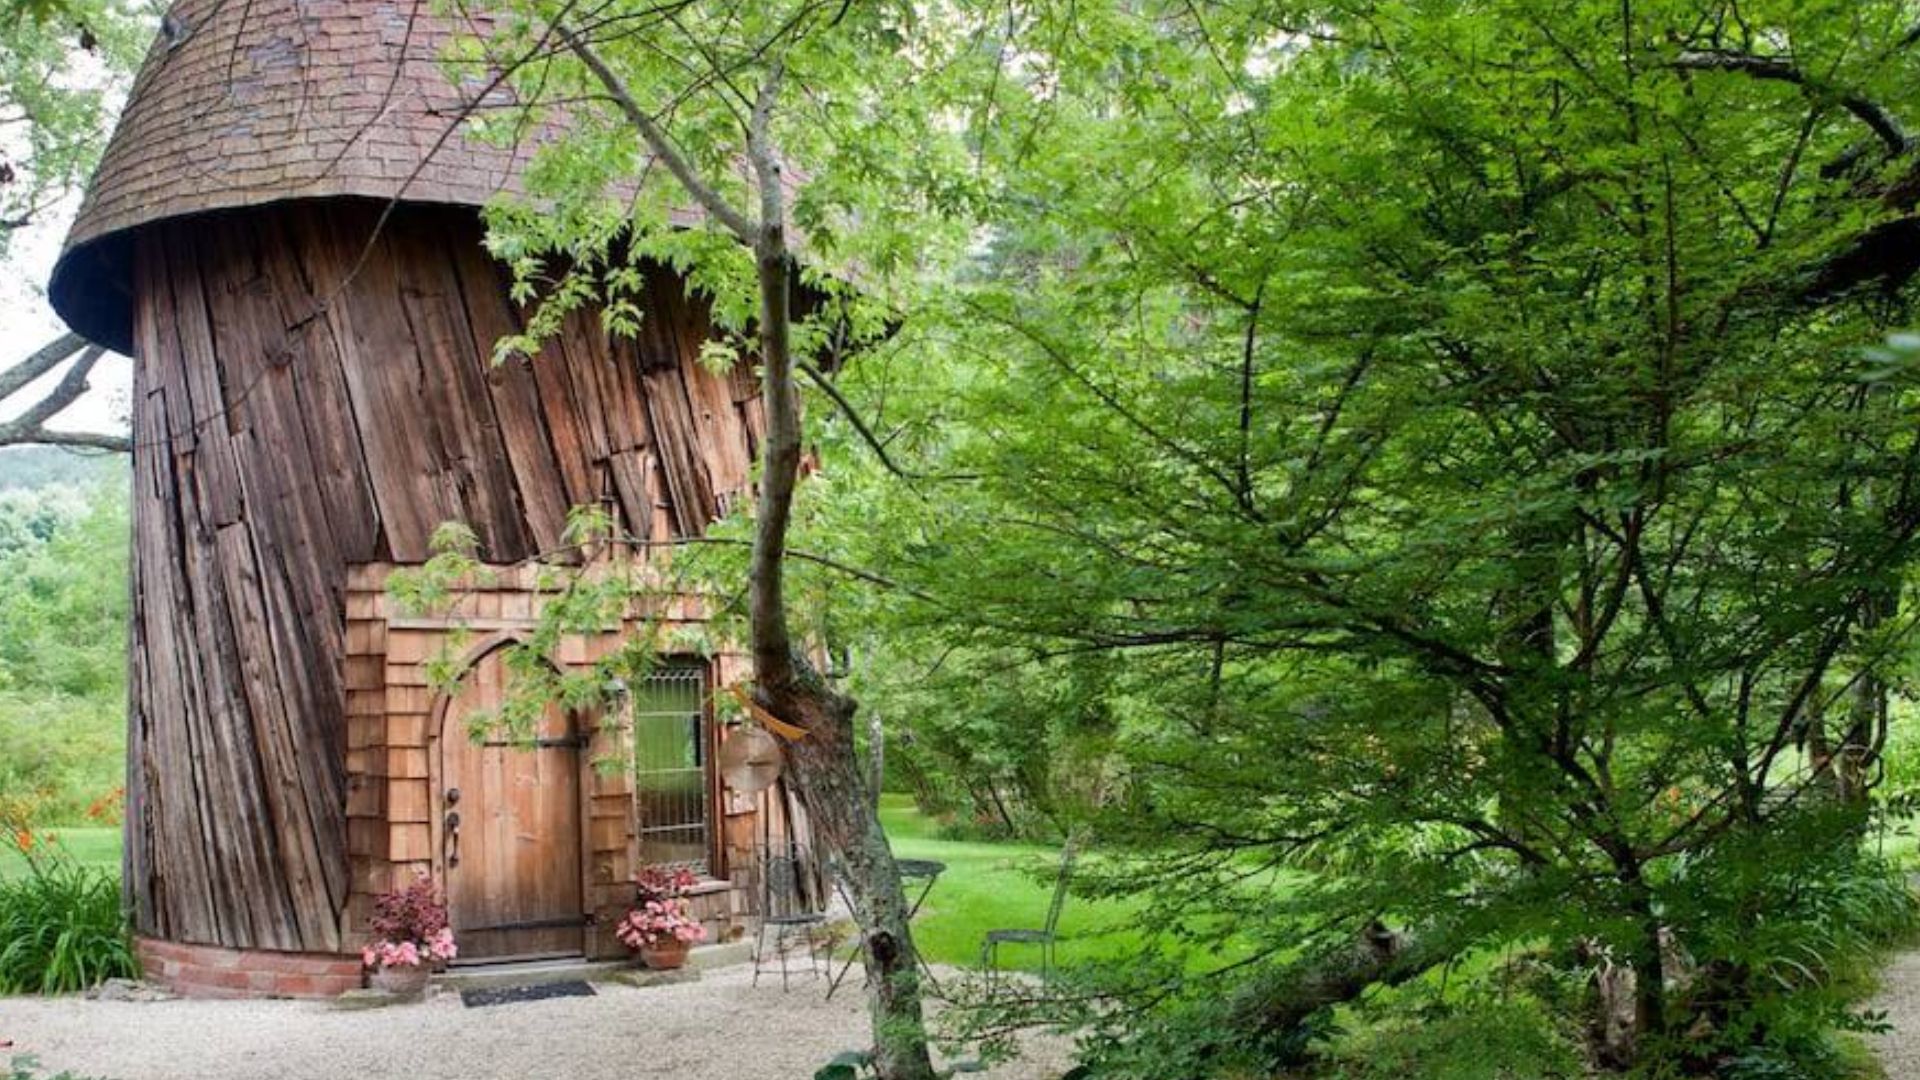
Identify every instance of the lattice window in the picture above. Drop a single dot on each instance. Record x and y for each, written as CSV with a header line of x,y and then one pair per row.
x,y
672,784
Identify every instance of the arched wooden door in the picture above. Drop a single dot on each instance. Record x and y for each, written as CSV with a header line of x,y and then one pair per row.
x,y
510,829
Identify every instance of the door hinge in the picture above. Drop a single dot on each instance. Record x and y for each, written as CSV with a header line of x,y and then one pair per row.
x,y
568,742
534,924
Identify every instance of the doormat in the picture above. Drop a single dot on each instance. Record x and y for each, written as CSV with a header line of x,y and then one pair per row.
x,y
508,995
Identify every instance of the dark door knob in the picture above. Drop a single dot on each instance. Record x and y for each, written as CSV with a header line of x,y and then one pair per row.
x,y
452,833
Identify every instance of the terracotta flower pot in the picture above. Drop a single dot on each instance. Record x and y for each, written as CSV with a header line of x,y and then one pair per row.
x,y
400,981
665,956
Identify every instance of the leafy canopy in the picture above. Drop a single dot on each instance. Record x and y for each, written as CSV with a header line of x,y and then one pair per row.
x,y
1460,419
1430,444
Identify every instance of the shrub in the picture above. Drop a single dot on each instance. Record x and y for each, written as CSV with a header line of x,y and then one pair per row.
x,y
62,757
1492,1039
61,924
1784,936
63,619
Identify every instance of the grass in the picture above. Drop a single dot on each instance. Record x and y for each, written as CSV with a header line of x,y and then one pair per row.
x,y
992,886
61,927
987,886
90,846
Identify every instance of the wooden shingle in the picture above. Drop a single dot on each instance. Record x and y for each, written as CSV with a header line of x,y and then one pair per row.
x,y
243,104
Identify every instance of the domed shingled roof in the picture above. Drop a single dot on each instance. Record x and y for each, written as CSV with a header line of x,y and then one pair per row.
x,y
246,102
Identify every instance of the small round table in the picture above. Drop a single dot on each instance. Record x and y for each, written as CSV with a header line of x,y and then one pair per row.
x,y
925,872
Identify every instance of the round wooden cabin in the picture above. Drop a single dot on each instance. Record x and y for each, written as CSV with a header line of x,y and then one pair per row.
x,y
283,234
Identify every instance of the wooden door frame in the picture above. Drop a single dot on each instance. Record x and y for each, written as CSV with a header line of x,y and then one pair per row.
x,y
719,864
437,793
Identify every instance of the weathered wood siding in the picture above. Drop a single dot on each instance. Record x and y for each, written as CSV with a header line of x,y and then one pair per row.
x,y
312,394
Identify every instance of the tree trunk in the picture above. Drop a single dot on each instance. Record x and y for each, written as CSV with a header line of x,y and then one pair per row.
x,y
1650,971
925,795
1866,714
1277,1005
1000,807
876,758
825,771
825,764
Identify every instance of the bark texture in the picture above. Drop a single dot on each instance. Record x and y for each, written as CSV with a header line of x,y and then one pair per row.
x,y
825,766
825,771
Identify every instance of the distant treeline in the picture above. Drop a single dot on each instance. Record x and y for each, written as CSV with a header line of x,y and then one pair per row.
x,y
27,467
63,614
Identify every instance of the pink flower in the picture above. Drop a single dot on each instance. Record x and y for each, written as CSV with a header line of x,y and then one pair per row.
x,y
652,922
410,928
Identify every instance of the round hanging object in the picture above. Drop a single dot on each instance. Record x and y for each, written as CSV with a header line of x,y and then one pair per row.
x,y
749,759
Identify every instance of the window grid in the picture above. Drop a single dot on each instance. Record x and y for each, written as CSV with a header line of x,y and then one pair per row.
x,y
671,792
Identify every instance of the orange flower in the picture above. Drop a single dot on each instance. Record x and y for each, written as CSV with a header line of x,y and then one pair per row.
x,y
23,839
108,807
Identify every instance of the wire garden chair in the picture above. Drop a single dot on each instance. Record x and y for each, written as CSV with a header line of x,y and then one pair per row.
x,y
786,902
1046,937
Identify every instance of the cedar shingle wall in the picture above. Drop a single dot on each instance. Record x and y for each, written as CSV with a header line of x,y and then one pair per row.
x,y
391,810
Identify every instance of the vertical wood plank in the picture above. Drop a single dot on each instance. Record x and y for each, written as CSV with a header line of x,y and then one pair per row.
x,y
311,396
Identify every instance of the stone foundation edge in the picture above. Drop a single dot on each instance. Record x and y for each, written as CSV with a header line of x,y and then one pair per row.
x,y
213,971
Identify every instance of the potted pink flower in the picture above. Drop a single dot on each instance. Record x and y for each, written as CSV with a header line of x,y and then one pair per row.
x,y
411,938
659,926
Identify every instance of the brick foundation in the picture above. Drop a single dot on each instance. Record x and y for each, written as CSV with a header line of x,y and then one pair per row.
x,y
209,971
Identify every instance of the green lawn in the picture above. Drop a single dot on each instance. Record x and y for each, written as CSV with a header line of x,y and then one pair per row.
x,y
998,886
986,886
1899,842
91,846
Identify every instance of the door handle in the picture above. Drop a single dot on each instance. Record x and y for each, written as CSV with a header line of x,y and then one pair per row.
x,y
452,833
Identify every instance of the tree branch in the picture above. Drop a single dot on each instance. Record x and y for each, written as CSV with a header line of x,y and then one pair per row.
x,y
30,426
43,360
1773,69
1244,471
866,433
662,146
79,440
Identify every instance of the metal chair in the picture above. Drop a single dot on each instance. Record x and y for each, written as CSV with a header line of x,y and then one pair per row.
x,y
785,904
1046,937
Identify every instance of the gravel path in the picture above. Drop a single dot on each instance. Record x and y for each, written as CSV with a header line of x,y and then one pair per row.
x,y
1899,995
718,1028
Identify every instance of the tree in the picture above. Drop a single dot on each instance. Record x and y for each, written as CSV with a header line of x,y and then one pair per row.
x,y
63,610
54,120
764,121
61,64
30,426
1464,419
